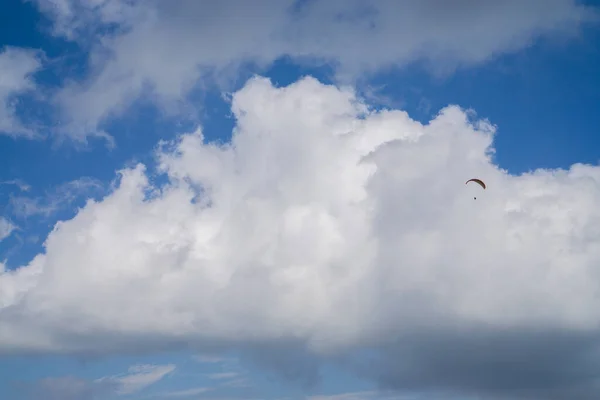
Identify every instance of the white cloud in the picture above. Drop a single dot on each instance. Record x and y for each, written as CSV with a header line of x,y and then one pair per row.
x,y
16,67
323,223
138,377
302,250
215,38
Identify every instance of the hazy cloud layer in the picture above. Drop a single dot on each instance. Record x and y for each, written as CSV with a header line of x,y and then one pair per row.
x,y
133,52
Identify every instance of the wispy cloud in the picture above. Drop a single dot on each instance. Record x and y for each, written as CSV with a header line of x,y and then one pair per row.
x,y
54,200
231,376
230,379
187,392
240,382
138,377
23,186
223,375
364,395
16,69
374,95
6,228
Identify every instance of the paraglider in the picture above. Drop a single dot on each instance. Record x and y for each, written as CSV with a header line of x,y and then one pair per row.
x,y
479,181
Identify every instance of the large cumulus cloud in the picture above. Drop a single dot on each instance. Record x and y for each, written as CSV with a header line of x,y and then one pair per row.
x,y
133,53
327,224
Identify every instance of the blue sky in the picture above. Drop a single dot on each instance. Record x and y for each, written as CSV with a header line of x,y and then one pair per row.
x,y
91,90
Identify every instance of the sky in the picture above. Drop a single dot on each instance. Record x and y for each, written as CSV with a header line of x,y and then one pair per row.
x,y
266,200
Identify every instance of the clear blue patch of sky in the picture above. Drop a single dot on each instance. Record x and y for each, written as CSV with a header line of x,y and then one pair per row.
x,y
20,24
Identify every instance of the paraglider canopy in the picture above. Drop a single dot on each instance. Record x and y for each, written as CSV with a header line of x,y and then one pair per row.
x,y
479,181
